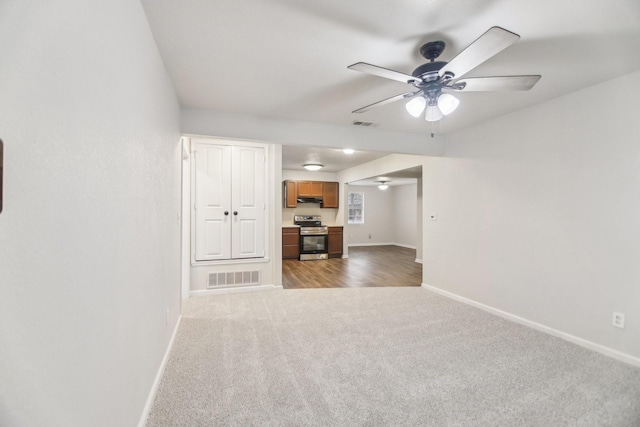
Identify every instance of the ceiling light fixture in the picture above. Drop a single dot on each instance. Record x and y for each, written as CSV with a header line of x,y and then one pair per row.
x,y
383,185
313,166
348,151
415,107
447,103
437,105
433,113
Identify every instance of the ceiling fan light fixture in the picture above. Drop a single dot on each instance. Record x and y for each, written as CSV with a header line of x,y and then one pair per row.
x,y
415,107
313,166
447,103
382,184
433,113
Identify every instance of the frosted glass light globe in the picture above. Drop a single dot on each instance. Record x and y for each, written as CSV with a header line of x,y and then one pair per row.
x,y
415,107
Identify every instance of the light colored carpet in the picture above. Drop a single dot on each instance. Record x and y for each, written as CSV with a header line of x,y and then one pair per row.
x,y
380,357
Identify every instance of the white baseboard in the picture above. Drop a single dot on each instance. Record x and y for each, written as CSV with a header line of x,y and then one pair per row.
x,y
418,260
402,245
345,256
156,381
618,355
370,244
235,290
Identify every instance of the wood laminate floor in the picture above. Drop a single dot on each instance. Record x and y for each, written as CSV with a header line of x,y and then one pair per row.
x,y
366,266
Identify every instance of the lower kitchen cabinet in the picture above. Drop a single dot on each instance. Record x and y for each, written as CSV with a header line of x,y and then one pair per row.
x,y
290,243
335,242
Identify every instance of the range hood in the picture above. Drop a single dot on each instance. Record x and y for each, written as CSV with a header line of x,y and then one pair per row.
x,y
310,200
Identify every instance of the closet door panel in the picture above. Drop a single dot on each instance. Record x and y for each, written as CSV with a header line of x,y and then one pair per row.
x,y
212,202
248,189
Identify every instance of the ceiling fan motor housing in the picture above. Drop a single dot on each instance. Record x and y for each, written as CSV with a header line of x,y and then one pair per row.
x,y
429,71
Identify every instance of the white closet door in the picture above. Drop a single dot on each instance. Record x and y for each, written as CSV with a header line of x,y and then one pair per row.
x,y
248,188
212,200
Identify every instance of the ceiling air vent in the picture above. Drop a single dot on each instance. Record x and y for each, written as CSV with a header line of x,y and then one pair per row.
x,y
359,123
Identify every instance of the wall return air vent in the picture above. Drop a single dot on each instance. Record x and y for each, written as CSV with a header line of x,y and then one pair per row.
x,y
233,278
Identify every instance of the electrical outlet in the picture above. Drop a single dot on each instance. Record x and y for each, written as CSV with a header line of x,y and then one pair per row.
x,y
618,320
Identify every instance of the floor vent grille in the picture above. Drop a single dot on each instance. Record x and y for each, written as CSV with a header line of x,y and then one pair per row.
x,y
233,278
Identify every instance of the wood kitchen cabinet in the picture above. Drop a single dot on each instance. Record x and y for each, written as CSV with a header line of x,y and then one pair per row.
x,y
335,242
290,192
290,242
330,192
310,188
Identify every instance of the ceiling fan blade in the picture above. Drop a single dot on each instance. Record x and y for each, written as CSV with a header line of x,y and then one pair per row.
x,y
382,72
492,42
479,84
385,101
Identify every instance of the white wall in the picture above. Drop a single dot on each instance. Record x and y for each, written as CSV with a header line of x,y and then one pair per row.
x,y
89,260
390,217
378,227
538,214
292,132
405,200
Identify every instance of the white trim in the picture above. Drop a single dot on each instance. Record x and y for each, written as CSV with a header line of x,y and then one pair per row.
x,y
418,260
345,256
402,245
156,381
230,261
618,355
235,290
370,244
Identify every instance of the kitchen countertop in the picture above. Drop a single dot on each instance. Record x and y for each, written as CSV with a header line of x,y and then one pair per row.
x,y
289,225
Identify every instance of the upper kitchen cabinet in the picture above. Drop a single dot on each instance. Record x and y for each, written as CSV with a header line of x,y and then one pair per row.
x,y
290,193
310,188
296,192
330,193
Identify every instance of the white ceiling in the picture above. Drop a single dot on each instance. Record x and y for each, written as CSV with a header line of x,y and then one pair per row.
x,y
287,59
333,159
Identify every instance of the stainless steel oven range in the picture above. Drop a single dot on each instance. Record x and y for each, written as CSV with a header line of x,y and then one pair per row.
x,y
314,237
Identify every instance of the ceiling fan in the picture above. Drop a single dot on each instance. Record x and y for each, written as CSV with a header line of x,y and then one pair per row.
x,y
434,77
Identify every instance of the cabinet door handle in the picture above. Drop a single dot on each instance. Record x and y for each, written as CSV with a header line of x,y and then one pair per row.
x,y
235,212
226,213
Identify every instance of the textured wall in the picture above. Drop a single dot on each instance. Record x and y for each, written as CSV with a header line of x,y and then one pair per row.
x,y
378,227
538,214
89,260
405,199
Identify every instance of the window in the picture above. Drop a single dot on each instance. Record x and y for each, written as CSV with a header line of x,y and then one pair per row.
x,y
356,208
